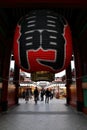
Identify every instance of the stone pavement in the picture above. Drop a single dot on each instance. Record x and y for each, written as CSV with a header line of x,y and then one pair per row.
x,y
53,116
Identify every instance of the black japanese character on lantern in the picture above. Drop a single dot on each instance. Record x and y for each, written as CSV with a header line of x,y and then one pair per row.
x,y
42,29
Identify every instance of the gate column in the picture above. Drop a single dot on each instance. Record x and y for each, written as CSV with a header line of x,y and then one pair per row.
x,y
78,69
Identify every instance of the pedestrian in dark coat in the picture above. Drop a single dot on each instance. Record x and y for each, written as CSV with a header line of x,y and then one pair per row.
x,y
47,96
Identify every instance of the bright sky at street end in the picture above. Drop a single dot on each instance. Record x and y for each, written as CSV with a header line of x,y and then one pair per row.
x,y
60,74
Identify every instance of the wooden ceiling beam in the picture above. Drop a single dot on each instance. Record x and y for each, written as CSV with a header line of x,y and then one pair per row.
x,y
30,3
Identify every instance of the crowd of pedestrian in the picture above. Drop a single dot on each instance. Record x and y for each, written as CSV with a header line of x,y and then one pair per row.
x,y
38,95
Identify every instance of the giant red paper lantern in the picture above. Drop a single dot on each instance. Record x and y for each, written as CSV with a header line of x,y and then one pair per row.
x,y
42,42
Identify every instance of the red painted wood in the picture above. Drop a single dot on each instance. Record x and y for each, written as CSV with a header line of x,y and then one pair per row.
x,y
26,2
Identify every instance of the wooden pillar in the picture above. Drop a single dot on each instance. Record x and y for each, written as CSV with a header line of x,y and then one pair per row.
x,y
16,82
78,77
84,76
5,76
68,82
1,72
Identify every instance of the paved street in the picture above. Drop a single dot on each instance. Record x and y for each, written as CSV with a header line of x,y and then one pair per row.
x,y
53,116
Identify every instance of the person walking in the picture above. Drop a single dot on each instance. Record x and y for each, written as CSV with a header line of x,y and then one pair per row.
x,y
27,95
36,95
47,95
42,94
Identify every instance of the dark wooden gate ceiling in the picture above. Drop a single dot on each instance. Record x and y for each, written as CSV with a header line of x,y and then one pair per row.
x,y
14,10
